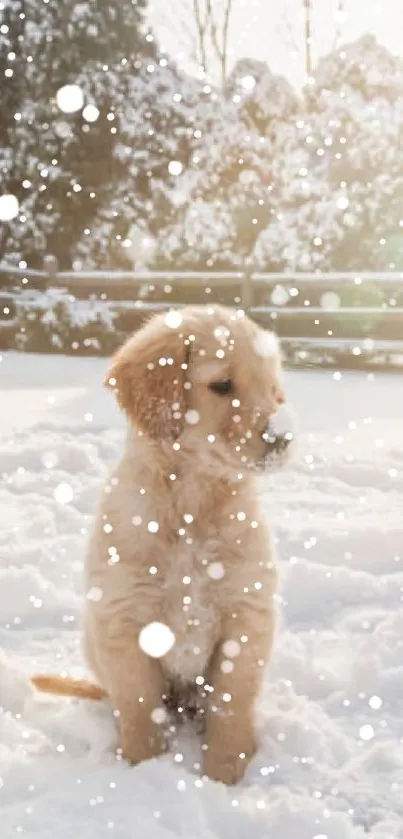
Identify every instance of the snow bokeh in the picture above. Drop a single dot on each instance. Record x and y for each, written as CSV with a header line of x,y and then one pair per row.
x,y
248,82
173,319
266,344
216,570
64,493
9,207
156,639
192,416
175,167
330,715
70,98
90,113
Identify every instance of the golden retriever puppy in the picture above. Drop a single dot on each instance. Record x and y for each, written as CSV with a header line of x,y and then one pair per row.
x,y
180,568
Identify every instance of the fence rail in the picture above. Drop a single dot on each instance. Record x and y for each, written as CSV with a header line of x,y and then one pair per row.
x,y
363,316
50,272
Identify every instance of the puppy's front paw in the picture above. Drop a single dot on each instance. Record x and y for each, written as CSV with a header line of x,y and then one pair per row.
x,y
230,746
137,746
228,768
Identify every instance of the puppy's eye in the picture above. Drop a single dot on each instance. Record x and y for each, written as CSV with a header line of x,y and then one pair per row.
x,y
225,387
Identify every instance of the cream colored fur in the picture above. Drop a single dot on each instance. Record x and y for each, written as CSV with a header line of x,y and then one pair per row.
x,y
189,464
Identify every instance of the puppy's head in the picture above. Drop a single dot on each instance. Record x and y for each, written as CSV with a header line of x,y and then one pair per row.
x,y
207,379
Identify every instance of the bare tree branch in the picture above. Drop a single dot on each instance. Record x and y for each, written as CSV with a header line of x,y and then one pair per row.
x,y
205,28
308,38
178,18
340,10
219,34
302,39
202,23
225,37
214,35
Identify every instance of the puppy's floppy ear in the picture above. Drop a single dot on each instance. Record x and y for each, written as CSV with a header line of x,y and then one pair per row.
x,y
148,375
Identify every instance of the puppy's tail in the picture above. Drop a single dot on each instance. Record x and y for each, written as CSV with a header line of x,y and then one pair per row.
x,y
78,688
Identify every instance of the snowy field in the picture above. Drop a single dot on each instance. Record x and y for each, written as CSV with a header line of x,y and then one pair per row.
x,y
330,764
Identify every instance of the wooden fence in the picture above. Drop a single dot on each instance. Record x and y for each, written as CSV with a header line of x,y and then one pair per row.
x,y
354,314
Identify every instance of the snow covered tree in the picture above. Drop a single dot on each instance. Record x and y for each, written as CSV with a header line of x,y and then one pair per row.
x,y
229,194
262,100
158,130
13,65
343,208
58,157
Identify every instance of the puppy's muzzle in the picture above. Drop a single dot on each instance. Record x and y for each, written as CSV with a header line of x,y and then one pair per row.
x,y
277,444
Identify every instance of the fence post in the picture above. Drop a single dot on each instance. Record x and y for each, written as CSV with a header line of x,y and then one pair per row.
x,y
51,267
247,288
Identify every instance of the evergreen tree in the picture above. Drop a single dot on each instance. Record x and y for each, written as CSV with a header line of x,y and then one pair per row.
x,y
231,192
158,129
343,207
58,164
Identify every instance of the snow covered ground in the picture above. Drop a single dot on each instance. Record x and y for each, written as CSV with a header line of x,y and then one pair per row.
x,y
330,764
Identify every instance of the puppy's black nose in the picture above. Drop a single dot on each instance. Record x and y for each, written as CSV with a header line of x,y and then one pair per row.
x,y
277,443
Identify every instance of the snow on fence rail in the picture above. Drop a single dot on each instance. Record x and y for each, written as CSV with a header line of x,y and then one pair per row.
x,y
358,313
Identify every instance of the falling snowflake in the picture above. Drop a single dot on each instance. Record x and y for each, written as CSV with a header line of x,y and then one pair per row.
x,y
175,167
147,243
216,570
62,129
265,344
192,416
248,82
64,493
330,300
70,98
156,639
367,732
9,207
50,460
95,594
173,319
90,113
159,716
231,649
221,333
153,527
368,344
279,296
342,202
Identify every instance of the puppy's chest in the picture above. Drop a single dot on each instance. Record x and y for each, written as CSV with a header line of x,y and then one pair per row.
x,y
192,596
